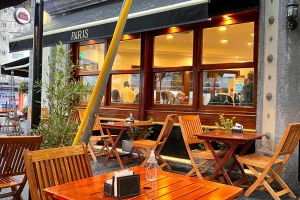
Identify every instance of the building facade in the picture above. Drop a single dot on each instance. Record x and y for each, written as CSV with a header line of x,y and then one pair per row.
x,y
233,58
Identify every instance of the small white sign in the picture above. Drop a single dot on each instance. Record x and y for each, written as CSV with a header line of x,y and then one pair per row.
x,y
22,16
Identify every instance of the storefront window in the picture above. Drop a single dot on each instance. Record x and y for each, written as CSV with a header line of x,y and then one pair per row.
x,y
128,55
173,88
230,87
228,44
91,81
91,57
125,88
173,50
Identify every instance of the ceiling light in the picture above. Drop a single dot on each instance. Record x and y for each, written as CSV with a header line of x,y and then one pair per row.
x,y
226,16
222,28
224,41
170,36
236,57
250,43
252,34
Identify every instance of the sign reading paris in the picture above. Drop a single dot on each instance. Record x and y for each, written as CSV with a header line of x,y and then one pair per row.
x,y
22,16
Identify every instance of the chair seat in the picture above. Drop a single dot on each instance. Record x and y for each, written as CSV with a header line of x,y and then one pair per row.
x,y
257,160
207,154
142,143
6,182
101,137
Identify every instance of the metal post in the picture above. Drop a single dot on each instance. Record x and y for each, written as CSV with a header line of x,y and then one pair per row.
x,y
37,62
88,120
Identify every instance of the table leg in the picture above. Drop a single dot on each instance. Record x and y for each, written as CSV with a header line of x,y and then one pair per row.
x,y
245,148
113,149
221,163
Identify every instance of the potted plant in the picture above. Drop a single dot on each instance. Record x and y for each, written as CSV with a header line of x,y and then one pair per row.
x,y
62,92
126,144
226,125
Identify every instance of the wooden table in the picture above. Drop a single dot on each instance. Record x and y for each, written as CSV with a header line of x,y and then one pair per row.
x,y
231,140
123,127
167,186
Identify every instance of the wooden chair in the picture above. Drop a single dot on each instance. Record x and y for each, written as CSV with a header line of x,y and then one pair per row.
x,y
273,165
44,113
51,167
191,125
95,139
145,146
12,162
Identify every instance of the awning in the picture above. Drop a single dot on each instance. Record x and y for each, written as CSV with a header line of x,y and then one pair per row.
x,y
20,67
6,3
100,21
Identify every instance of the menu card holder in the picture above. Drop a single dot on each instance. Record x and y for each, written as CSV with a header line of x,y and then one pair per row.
x,y
127,186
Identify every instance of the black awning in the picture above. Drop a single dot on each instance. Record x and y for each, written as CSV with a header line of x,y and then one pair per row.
x,y
100,21
10,3
19,67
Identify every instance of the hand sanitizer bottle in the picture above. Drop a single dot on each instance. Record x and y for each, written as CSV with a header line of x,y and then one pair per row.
x,y
151,169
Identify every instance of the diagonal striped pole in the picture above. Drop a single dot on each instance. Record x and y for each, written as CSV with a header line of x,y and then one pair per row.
x,y
87,123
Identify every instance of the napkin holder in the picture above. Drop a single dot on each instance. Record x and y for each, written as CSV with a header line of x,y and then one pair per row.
x,y
237,129
127,186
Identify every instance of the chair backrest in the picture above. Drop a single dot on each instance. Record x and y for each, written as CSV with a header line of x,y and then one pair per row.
x,y
289,141
51,167
74,117
190,125
11,153
166,130
97,125
44,113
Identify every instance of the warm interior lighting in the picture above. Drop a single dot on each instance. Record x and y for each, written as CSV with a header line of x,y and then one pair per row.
x,y
224,41
170,36
90,42
250,43
222,28
174,29
236,57
226,17
252,34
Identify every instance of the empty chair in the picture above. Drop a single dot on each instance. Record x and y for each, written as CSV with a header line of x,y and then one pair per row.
x,y
12,162
272,166
191,125
95,139
145,146
51,167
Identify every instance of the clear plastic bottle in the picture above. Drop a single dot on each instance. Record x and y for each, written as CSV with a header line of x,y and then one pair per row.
x,y
151,169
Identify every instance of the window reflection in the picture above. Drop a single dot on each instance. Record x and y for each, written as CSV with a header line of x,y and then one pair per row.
x,y
173,88
233,87
125,88
91,57
91,82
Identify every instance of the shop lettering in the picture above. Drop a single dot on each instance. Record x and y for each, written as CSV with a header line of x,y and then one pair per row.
x,y
79,35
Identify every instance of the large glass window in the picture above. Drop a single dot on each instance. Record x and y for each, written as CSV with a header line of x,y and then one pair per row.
x,y
228,44
125,88
91,82
128,55
173,88
173,50
91,57
230,87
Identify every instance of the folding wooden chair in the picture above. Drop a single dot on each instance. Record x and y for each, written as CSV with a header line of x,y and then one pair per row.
x,y
95,139
191,125
145,146
285,150
51,167
12,162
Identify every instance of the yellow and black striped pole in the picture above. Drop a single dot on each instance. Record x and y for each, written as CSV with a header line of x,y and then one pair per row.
x,y
88,120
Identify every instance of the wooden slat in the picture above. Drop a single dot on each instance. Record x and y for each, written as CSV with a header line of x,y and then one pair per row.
x,y
223,193
184,190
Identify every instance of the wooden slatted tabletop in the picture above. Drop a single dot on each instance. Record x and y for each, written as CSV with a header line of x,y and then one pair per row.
x,y
167,186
